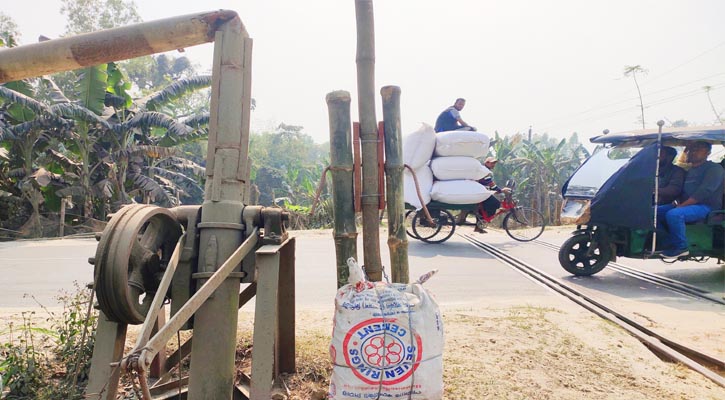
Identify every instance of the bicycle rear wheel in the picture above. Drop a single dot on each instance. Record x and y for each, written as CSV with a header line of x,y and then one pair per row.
x,y
409,215
442,229
524,224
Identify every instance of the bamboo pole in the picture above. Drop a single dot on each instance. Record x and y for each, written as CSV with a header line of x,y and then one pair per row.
x,y
394,165
115,44
365,60
345,232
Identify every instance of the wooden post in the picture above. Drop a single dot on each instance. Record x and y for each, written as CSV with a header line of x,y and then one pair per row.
x,y
345,232
369,137
394,165
61,223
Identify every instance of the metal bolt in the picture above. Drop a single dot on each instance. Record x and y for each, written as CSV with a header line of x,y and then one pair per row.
x,y
92,260
98,236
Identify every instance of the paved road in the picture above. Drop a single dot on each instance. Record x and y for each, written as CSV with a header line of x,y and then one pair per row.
x,y
43,268
466,275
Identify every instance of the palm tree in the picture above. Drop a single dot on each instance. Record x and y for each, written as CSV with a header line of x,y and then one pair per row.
x,y
633,70
707,90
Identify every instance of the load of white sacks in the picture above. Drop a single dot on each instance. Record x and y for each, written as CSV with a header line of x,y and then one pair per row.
x,y
446,166
387,341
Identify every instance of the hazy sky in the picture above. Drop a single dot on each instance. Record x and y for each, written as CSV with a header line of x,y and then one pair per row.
x,y
556,64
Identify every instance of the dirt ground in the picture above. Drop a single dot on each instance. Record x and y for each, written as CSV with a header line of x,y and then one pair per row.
x,y
513,352
530,352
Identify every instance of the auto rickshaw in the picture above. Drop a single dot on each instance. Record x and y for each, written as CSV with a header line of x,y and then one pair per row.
x,y
611,200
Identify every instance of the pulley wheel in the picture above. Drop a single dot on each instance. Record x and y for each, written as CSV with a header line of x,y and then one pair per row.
x,y
130,260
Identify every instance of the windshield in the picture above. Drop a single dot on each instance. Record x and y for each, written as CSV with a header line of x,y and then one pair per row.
x,y
587,180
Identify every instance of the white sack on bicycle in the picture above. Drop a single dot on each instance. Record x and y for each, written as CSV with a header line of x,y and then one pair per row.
x,y
425,182
459,192
387,341
418,146
461,143
457,167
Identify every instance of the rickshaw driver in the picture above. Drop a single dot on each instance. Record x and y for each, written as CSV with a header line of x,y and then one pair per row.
x,y
702,192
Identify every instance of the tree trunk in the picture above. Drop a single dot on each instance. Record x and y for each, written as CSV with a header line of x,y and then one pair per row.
x,y
394,165
368,137
345,232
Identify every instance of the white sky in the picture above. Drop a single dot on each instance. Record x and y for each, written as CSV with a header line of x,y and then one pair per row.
x,y
556,64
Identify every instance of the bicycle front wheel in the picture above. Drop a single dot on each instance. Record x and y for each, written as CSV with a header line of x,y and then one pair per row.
x,y
524,224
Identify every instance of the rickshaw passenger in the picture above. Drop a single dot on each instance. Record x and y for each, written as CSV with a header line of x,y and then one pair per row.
x,y
671,178
450,119
702,192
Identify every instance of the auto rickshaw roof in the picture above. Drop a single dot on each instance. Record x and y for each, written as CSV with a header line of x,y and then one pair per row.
x,y
672,136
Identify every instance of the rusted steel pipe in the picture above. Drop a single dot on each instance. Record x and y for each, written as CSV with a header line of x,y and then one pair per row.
x,y
115,44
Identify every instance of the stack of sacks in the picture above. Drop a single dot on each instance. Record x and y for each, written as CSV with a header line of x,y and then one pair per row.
x,y
456,168
418,149
451,176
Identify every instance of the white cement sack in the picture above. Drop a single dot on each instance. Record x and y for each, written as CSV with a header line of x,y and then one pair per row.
x,y
418,146
459,192
425,181
387,341
457,167
461,143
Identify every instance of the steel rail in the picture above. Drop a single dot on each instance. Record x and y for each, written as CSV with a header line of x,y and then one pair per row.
x,y
672,284
707,365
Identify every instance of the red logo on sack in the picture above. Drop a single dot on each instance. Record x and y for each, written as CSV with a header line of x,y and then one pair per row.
x,y
381,350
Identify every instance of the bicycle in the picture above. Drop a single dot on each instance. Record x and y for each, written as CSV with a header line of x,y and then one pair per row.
x,y
521,223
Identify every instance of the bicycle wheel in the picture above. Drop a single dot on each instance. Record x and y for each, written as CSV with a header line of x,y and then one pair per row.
x,y
442,230
409,215
524,224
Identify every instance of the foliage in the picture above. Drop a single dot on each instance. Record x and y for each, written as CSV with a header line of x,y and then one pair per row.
x,y
8,31
91,15
41,363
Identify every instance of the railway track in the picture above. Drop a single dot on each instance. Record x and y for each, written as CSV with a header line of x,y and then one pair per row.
x,y
707,365
671,284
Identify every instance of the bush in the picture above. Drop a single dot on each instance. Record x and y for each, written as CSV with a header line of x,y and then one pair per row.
x,y
40,363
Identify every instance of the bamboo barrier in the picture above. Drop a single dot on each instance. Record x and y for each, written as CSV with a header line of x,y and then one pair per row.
x,y
365,59
345,232
394,166
115,44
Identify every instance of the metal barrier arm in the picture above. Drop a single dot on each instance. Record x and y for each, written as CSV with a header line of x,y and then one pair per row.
x,y
141,361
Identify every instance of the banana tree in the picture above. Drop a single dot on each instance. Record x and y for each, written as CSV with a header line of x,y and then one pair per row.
x,y
26,131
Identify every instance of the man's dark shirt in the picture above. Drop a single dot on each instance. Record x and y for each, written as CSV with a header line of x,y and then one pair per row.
x,y
705,184
447,120
671,180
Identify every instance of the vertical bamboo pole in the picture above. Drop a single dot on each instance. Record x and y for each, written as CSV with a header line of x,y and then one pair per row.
x,y
368,137
345,232
394,165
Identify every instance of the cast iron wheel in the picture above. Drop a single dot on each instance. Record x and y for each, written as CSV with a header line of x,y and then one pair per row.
x,y
524,224
409,215
579,258
130,259
443,228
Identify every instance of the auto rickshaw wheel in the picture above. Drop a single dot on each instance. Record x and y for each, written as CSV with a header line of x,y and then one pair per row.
x,y
578,257
133,252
